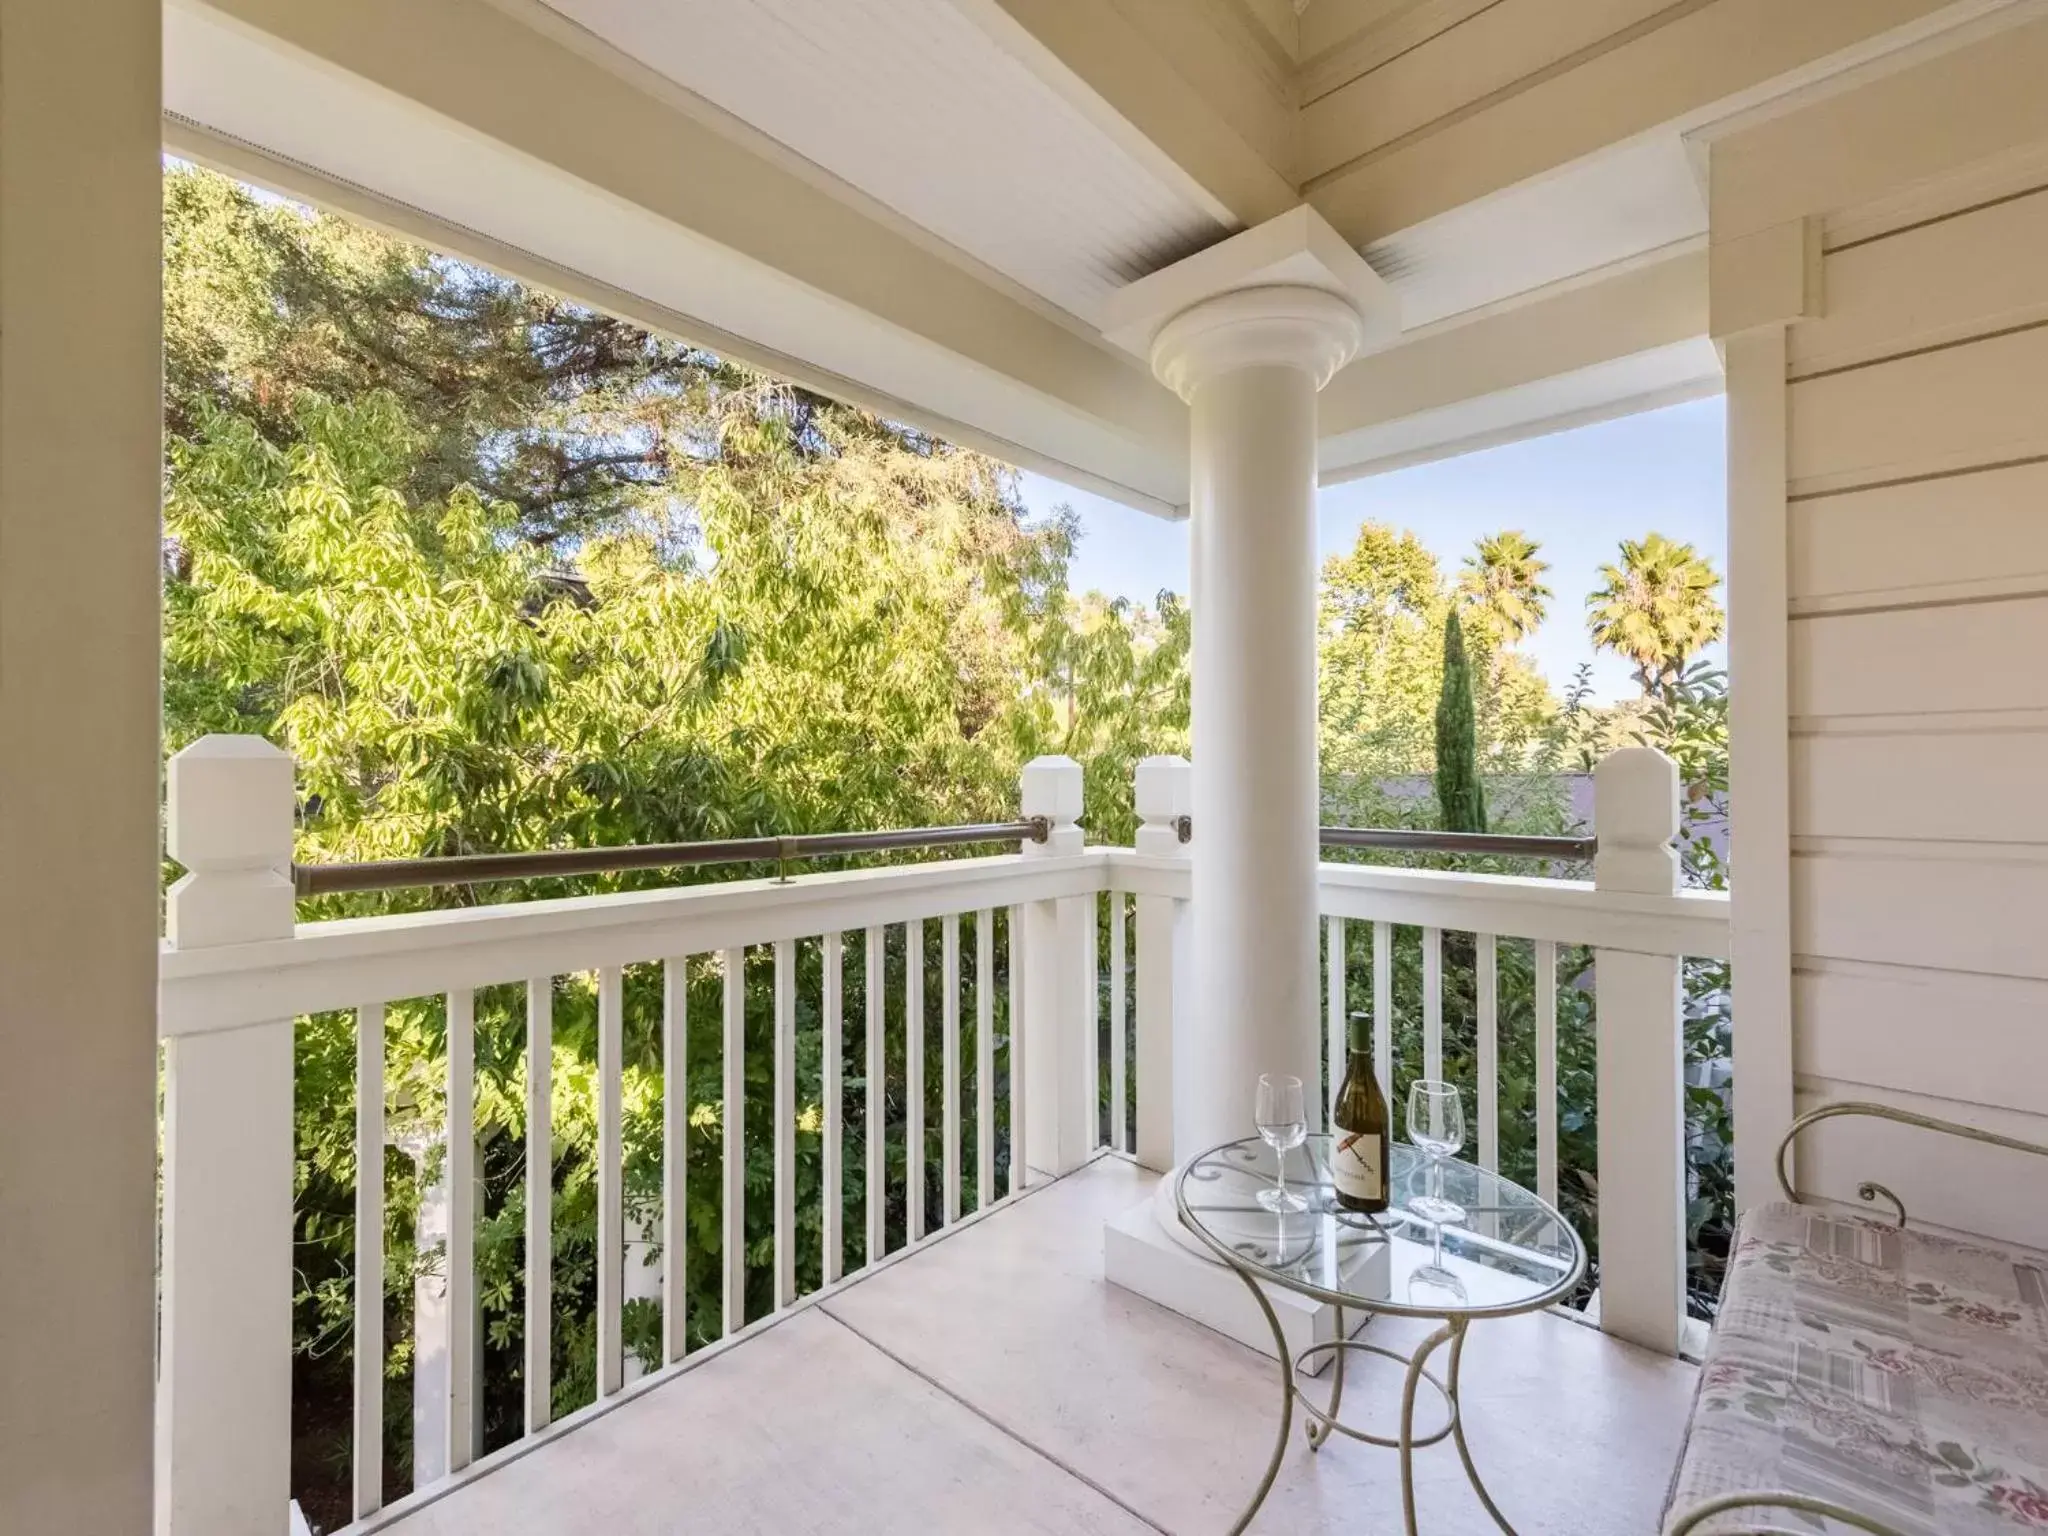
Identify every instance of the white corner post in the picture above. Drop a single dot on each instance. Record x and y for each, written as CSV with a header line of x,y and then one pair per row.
x,y
224,1389
81,575
1247,333
1641,1073
1165,981
1061,1098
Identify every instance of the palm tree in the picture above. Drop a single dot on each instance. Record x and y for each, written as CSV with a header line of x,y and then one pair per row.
x,y
1502,582
1657,608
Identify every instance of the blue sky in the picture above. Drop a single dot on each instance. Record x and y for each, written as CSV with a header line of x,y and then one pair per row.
x,y
1577,493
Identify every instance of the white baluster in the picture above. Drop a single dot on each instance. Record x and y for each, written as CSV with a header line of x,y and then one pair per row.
x,y
675,1158
1059,989
458,1410
368,1461
1433,1004
611,1212
432,1316
785,1122
1546,1070
832,1090
1119,1034
1641,1063
1165,795
540,1203
1333,1052
984,1058
1013,929
878,1065
1489,1063
733,1240
913,1081
949,1066
1383,1008
225,1367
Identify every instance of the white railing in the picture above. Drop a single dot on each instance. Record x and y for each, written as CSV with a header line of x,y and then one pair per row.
x,y
1632,915
1020,939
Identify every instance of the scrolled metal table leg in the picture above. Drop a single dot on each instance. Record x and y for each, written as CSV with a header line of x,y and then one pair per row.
x,y
1458,1433
1421,1356
1286,1404
1319,1430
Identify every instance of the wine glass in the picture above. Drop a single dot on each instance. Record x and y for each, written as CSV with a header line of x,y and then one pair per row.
x,y
1433,1288
1436,1125
1282,1120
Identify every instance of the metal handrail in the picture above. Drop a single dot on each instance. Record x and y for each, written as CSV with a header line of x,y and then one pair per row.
x,y
1869,1190
1754,1499
558,863
1500,845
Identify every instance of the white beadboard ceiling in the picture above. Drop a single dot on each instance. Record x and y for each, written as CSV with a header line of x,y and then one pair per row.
x,y
919,108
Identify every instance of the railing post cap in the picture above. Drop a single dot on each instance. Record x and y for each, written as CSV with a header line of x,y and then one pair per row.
x,y
1165,788
1635,817
1051,787
1635,797
230,803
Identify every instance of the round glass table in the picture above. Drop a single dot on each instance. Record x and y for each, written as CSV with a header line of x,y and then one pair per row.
x,y
1512,1253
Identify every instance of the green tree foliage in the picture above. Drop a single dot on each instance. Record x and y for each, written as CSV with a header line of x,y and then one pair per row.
x,y
505,574
1657,608
1461,801
1501,582
1384,608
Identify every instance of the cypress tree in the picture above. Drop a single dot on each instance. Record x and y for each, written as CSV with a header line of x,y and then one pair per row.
x,y
1461,805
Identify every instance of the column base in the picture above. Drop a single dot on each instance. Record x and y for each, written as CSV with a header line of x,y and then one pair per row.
x,y
1146,1251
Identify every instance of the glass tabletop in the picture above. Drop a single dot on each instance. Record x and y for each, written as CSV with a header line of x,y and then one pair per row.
x,y
1512,1253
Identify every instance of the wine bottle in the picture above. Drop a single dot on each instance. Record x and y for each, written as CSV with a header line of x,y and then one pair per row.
x,y
1358,1163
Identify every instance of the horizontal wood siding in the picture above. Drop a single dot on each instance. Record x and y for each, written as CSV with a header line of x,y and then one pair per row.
x,y
1957,408
1952,914
1936,785
1944,1182
1918,605
1911,661
1943,281
1871,548
1873,1024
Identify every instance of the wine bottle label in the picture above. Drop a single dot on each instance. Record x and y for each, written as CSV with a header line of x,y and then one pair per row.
x,y
1358,1166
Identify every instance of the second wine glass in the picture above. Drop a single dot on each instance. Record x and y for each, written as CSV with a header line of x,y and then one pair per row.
x,y
1436,1126
1281,1115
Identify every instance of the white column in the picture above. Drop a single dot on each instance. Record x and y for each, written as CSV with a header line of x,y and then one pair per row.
x,y
1059,986
224,1367
1641,1063
1165,795
1249,363
81,465
432,1325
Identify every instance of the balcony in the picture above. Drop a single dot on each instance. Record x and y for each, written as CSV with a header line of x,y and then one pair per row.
x,y
950,1354
990,1380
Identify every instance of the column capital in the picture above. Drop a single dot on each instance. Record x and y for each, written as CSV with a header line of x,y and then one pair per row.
x,y
1305,328
1290,292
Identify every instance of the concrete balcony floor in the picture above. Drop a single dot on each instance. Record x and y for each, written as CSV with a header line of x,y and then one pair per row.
x,y
994,1382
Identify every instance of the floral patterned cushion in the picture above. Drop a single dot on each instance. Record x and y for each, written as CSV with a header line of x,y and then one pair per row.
x,y
1896,1373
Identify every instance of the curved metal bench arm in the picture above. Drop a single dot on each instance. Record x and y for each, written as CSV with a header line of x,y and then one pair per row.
x,y
1869,1191
1763,1498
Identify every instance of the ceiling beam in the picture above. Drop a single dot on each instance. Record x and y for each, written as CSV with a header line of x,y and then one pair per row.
x,y
1583,350
1180,90
429,106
